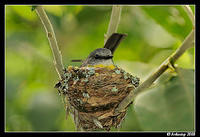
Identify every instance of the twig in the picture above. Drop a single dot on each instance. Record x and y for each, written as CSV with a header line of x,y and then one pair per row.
x,y
187,43
190,13
55,50
114,22
52,40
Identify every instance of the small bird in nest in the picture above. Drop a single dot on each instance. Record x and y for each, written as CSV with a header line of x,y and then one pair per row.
x,y
99,58
102,57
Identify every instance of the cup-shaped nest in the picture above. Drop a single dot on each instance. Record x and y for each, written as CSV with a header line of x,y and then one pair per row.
x,y
95,93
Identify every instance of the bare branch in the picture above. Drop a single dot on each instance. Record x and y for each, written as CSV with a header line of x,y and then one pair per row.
x,y
187,43
52,40
114,21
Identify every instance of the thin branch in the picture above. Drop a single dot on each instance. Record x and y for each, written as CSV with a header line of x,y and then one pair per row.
x,y
190,13
114,22
52,40
187,43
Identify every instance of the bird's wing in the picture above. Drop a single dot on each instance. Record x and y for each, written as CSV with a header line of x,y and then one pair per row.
x,y
113,41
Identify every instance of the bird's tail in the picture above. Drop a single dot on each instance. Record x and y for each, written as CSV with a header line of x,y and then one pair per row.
x,y
113,41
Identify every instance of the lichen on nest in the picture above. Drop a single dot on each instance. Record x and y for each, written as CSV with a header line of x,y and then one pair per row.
x,y
95,93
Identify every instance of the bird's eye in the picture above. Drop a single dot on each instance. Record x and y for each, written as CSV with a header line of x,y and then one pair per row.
x,y
97,56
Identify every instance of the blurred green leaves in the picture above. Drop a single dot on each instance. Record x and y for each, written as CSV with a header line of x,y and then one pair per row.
x,y
168,106
173,18
154,32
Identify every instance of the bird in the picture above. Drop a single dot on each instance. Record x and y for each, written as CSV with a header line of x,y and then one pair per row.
x,y
98,58
103,57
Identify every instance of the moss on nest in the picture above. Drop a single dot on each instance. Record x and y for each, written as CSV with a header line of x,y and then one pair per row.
x,y
95,93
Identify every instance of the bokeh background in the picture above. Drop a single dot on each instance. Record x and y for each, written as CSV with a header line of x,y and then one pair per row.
x,y
154,32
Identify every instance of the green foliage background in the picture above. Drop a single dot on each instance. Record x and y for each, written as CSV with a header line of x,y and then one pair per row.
x,y
154,32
